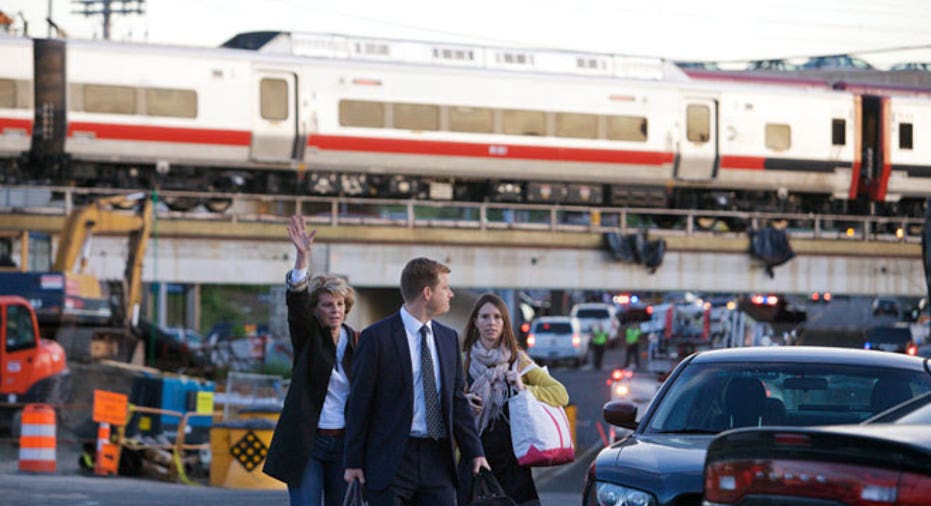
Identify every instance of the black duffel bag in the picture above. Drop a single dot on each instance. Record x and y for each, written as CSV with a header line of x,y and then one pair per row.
x,y
486,491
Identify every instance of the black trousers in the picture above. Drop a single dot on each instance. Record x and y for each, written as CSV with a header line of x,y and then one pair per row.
x,y
633,355
424,478
598,353
516,480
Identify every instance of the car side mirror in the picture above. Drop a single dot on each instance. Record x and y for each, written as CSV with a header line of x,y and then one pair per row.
x,y
621,413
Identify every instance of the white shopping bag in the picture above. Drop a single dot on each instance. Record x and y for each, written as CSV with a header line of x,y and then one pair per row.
x,y
539,432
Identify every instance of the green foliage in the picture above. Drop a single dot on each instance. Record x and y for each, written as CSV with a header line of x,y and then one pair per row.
x,y
234,304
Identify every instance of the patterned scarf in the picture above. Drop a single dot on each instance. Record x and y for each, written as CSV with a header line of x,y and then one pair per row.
x,y
487,369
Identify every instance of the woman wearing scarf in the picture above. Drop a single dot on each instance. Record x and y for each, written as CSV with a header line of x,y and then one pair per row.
x,y
496,367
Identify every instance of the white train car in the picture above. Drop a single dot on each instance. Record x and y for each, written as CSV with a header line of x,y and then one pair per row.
x,y
16,109
325,114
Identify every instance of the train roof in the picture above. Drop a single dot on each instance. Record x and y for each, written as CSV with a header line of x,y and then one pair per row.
x,y
450,54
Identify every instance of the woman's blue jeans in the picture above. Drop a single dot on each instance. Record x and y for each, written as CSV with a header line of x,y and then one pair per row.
x,y
322,483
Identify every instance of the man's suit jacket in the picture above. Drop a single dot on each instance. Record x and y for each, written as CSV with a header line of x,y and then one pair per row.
x,y
381,402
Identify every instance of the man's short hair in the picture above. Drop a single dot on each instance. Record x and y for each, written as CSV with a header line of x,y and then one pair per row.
x,y
419,273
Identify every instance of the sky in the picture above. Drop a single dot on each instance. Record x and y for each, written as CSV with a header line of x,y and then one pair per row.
x,y
693,30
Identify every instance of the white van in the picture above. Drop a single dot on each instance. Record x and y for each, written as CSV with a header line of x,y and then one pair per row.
x,y
591,313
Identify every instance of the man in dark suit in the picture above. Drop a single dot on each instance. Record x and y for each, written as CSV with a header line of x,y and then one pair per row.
x,y
407,408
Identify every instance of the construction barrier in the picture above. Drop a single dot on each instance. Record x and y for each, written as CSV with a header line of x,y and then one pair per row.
x,y
238,450
108,454
37,440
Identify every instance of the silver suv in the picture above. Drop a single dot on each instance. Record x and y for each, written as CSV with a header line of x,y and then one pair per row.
x,y
591,313
557,338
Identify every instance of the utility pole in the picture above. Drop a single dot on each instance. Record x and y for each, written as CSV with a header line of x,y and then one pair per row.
x,y
108,8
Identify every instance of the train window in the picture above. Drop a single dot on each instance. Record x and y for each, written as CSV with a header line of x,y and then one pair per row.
x,y
361,113
838,132
517,122
274,98
698,123
416,117
579,126
107,99
173,103
7,93
471,119
627,128
905,136
778,136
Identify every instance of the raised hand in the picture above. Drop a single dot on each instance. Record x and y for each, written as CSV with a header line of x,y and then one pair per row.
x,y
302,240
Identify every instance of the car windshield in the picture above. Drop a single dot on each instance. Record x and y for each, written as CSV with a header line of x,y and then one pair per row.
x,y
592,313
553,328
709,398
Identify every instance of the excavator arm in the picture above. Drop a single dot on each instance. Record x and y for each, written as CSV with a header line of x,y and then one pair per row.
x,y
100,217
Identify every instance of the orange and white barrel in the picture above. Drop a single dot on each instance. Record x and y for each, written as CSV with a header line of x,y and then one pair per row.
x,y
37,440
107,452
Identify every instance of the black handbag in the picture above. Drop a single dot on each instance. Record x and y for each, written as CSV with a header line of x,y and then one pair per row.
x,y
486,491
354,495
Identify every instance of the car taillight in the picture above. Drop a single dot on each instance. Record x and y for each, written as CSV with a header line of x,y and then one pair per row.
x,y
914,490
576,341
911,349
531,340
621,390
728,482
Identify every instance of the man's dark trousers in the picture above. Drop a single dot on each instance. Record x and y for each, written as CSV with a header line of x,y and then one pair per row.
x,y
424,470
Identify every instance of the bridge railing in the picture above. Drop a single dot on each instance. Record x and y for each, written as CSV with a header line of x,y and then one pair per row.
x,y
347,211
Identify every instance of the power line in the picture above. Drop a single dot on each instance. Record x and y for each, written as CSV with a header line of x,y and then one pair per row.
x,y
107,9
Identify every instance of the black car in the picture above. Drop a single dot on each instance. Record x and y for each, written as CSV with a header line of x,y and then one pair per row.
x,y
884,460
660,462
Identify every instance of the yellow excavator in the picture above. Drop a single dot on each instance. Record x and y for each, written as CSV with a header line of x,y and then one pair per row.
x,y
90,318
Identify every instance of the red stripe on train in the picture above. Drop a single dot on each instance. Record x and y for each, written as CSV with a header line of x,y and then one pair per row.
x,y
505,151
743,162
25,124
110,131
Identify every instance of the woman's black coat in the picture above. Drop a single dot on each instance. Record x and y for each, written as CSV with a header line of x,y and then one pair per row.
x,y
314,358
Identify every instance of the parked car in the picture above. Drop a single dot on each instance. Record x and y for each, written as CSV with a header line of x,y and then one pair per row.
x,y
187,337
835,62
661,461
557,338
884,460
895,338
886,306
590,314
914,65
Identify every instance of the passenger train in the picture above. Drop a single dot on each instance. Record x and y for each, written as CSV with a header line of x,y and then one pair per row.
x,y
317,114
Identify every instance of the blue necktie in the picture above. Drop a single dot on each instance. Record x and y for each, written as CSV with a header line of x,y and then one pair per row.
x,y
435,426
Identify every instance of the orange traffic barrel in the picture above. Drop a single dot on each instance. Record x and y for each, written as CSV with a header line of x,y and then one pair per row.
x,y
107,452
37,439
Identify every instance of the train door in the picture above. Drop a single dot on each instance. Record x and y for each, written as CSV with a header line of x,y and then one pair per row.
x,y
275,122
873,134
698,148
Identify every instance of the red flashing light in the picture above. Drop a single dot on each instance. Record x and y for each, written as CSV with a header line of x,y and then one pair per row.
x,y
617,374
815,297
912,349
525,327
649,309
576,341
531,340
827,296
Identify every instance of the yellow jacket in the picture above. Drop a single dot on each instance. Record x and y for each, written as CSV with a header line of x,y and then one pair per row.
x,y
544,387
